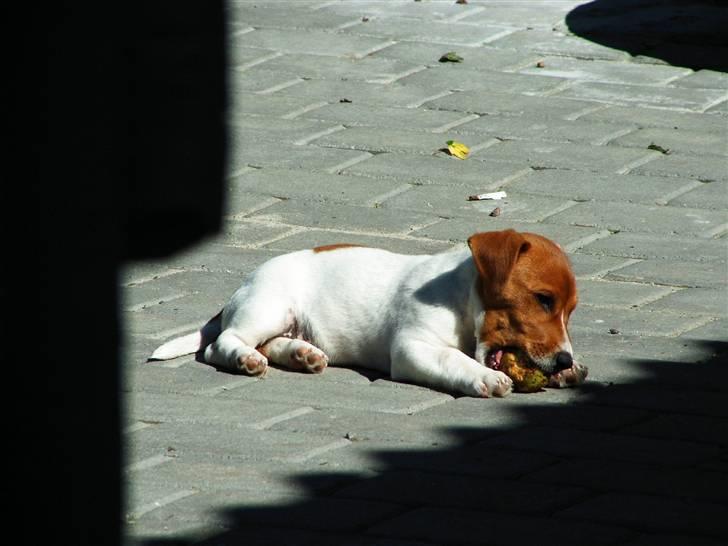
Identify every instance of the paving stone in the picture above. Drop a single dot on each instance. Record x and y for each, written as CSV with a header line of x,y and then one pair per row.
x,y
371,68
641,218
314,238
714,330
603,71
437,11
481,57
316,215
239,57
694,300
375,140
375,94
549,42
650,479
289,131
600,445
459,229
258,80
506,104
589,266
322,394
288,16
653,247
719,109
483,80
554,155
414,30
268,105
653,514
219,258
676,98
260,152
588,186
302,185
552,130
448,490
709,196
353,115
687,166
649,117
703,79
547,15
314,42
471,527
683,141
632,321
438,169
672,273
692,428
443,201
619,294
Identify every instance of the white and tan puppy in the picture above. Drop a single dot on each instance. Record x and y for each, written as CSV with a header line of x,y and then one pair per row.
x,y
433,320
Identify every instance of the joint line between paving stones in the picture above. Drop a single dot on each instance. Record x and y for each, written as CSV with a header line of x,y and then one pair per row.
x,y
257,208
152,277
610,137
651,156
665,199
308,108
256,62
415,408
561,208
311,138
420,102
585,111
280,86
175,363
455,123
695,326
396,77
259,244
484,145
606,271
149,462
506,180
497,36
164,501
714,232
579,243
241,171
214,391
715,103
465,14
243,31
267,423
139,425
379,199
374,49
338,444
156,301
179,330
558,88
349,163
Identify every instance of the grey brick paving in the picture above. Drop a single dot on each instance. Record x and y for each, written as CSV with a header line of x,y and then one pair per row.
x,y
339,113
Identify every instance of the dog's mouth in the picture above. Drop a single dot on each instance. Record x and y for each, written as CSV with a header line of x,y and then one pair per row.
x,y
494,357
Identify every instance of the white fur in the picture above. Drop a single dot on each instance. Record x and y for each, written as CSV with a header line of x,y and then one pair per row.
x,y
414,317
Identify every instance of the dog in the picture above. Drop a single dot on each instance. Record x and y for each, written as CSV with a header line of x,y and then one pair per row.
x,y
440,320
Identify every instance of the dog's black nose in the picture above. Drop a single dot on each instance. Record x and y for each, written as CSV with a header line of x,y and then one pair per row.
x,y
563,361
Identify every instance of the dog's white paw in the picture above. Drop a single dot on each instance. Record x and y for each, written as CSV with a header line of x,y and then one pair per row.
x,y
309,358
493,383
253,363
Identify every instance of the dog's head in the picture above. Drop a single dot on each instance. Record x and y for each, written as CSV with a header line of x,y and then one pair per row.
x,y
528,293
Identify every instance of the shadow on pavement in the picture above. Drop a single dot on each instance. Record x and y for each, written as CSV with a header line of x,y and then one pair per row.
x,y
641,462
679,32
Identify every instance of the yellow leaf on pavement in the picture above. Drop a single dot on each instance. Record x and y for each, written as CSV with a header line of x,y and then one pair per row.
x,y
458,149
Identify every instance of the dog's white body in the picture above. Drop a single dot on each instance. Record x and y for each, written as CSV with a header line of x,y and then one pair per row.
x,y
416,317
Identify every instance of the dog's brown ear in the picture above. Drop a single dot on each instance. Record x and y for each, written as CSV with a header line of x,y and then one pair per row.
x,y
495,253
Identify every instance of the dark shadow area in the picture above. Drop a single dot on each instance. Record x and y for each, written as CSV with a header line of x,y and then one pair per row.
x,y
121,154
680,32
641,462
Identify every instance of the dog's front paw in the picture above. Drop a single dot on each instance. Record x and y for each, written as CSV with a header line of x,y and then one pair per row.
x,y
493,383
569,377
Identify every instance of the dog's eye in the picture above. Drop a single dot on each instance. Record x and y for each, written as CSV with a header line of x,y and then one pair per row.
x,y
546,301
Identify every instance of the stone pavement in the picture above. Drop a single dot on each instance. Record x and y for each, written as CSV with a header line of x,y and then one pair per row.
x,y
340,112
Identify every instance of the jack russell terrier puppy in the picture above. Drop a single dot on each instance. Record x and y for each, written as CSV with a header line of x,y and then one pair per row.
x,y
434,320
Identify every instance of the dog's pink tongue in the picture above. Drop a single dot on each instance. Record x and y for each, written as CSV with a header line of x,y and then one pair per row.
x,y
496,359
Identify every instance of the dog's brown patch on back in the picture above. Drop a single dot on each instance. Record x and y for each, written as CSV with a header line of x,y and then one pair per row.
x,y
337,246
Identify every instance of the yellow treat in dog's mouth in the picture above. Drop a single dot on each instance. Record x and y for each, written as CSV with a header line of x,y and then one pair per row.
x,y
525,375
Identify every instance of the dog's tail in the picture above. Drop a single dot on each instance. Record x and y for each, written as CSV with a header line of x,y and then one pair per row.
x,y
191,343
